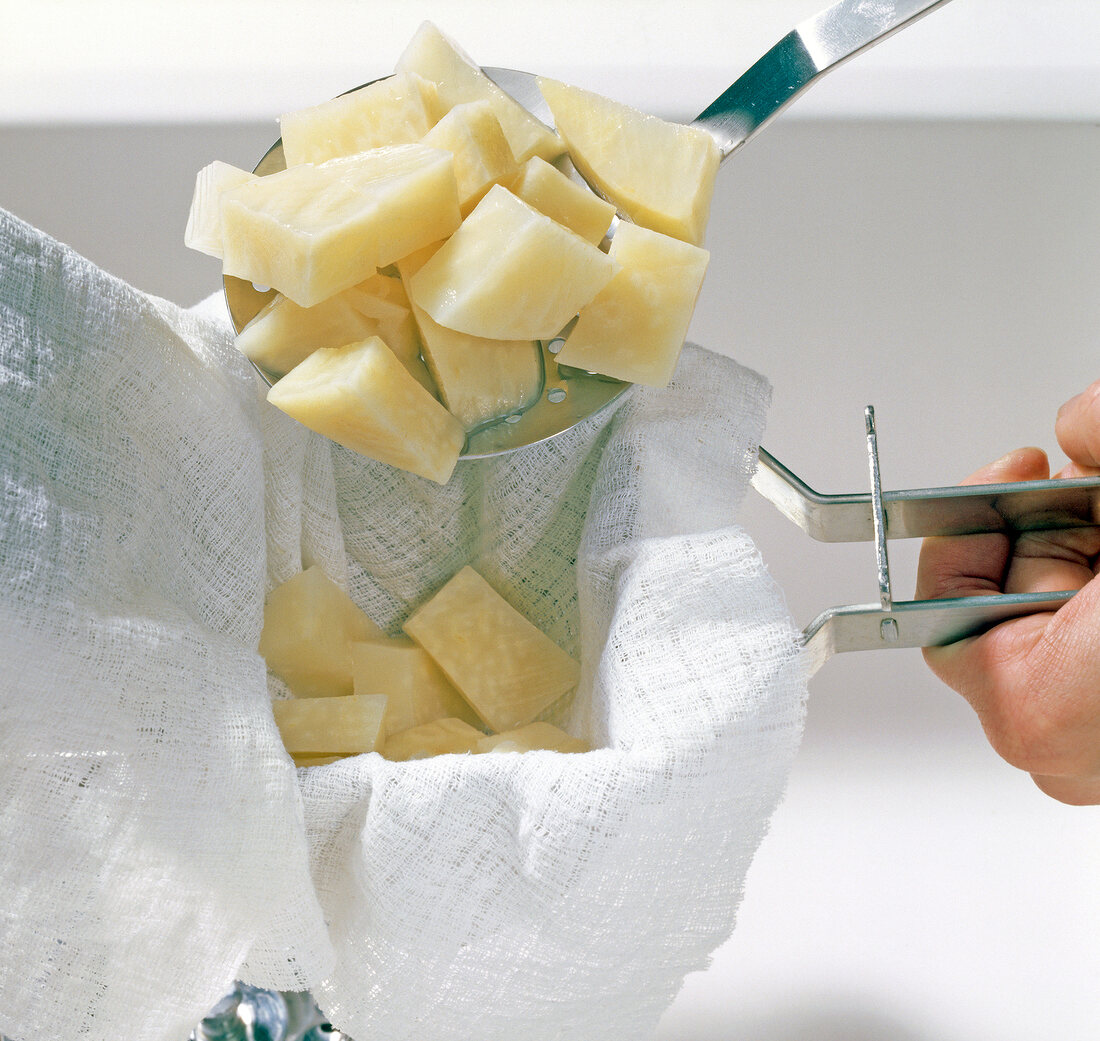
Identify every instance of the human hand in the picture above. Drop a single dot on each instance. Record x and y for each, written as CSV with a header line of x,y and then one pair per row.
x,y
1033,681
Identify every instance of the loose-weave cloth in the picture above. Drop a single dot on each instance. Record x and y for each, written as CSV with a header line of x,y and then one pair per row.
x,y
156,842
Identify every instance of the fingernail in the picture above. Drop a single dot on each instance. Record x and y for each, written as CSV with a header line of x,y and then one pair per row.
x,y
1021,464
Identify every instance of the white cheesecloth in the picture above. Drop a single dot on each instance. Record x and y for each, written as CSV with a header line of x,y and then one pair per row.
x,y
156,842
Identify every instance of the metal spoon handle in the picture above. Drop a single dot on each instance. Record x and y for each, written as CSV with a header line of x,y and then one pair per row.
x,y
806,53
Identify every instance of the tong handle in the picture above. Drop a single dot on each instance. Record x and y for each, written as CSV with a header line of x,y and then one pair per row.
x,y
1010,508
916,623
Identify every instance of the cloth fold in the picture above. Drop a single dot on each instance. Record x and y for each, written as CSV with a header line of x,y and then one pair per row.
x,y
157,841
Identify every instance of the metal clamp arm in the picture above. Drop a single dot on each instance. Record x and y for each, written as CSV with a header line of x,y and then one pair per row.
x,y
923,512
916,623
1009,508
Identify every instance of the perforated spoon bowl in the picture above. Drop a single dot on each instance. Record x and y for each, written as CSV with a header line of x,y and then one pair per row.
x,y
786,71
566,396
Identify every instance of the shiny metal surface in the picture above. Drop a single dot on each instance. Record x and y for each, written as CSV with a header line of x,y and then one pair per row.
x,y
1009,508
921,512
568,396
785,72
878,513
813,48
916,623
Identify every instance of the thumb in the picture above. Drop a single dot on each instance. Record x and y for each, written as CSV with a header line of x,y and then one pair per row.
x,y
1078,427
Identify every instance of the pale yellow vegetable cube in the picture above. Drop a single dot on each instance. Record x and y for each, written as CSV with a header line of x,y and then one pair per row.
x,y
510,273
533,737
472,133
552,192
283,334
504,666
383,299
436,57
634,329
397,110
348,725
316,760
361,396
204,225
660,174
441,737
479,380
312,231
417,690
389,301
308,623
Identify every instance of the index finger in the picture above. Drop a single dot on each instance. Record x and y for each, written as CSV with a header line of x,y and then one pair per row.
x,y
1078,427
969,565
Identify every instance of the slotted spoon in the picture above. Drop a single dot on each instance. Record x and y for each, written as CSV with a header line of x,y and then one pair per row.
x,y
569,396
802,57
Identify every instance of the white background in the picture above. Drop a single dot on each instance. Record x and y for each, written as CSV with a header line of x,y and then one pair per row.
x,y
921,233
117,60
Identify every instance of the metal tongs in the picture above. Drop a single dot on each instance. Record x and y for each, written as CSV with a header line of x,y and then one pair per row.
x,y
877,516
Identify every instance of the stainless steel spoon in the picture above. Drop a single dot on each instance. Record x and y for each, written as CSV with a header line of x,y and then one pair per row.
x,y
803,56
